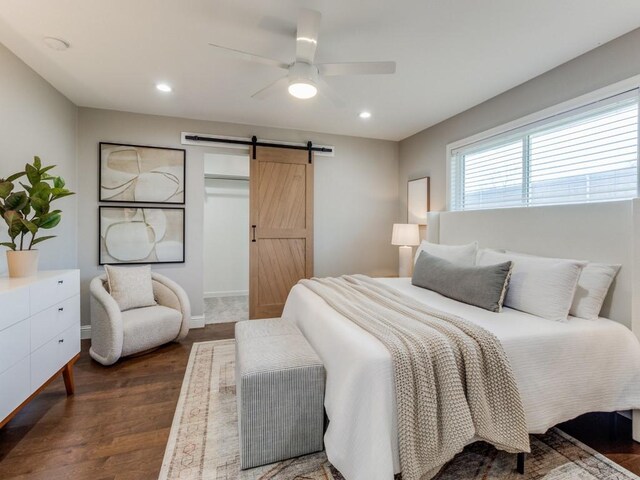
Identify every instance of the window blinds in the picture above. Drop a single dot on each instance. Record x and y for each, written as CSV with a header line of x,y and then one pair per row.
x,y
589,154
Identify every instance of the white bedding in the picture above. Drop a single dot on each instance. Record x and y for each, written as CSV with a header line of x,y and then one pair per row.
x,y
563,369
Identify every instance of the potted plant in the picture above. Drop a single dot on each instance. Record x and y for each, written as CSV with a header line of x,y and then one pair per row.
x,y
27,212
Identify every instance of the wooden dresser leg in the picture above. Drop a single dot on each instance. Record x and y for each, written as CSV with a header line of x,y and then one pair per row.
x,y
67,375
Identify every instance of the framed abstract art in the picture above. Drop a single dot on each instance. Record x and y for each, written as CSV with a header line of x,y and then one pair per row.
x,y
141,174
130,235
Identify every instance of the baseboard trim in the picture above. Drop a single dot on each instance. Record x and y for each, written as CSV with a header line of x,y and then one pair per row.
x,y
210,321
228,293
85,332
197,322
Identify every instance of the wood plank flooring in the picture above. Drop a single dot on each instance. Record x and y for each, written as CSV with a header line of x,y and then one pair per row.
x,y
117,424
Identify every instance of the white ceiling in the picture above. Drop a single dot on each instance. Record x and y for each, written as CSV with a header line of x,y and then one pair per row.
x,y
450,54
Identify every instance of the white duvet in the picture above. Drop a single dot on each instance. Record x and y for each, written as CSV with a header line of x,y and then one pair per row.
x,y
563,369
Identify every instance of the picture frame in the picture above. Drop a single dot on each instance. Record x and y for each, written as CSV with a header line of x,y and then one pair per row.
x,y
129,235
141,174
418,200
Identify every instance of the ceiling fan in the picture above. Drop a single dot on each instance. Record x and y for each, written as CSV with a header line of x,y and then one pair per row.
x,y
303,76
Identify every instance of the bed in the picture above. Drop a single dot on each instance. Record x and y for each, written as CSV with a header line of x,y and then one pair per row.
x,y
563,369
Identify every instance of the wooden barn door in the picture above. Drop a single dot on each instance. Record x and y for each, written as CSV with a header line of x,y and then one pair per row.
x,y
281,221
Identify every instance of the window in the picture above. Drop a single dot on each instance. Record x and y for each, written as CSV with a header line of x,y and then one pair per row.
x,y
589,154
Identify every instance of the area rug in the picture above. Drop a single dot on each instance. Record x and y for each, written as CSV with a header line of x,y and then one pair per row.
x,y
203,443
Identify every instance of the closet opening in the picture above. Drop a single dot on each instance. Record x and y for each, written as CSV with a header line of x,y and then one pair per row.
x,y
226,237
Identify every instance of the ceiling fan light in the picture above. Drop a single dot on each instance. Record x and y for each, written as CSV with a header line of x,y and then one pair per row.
x,y
303,90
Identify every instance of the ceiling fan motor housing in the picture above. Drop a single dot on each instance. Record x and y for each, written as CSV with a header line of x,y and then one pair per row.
x,y
302,72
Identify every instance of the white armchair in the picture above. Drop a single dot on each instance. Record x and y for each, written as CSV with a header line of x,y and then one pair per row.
x,y
116,334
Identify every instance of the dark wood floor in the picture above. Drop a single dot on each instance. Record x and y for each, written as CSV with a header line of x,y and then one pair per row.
x,y
117,424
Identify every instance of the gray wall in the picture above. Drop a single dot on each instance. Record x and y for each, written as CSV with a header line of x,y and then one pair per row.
x,y
36,119
425,152
356,195
356,192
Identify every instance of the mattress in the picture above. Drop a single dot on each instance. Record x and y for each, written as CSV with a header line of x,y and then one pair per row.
x,y
563,369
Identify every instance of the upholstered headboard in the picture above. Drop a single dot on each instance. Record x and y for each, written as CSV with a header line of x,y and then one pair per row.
x,y
598,232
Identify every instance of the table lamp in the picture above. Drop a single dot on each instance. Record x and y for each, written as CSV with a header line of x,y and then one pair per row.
x,y
405,235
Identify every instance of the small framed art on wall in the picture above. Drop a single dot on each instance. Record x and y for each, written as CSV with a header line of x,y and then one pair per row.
x,y
418,192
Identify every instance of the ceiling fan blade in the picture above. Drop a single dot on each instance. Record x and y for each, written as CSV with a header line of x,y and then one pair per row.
x,y
251,57
270,89
357,68
328,92
307,35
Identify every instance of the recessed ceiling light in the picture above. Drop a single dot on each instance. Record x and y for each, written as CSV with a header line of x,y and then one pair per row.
x,y
303,90
163,87
55,43
365,115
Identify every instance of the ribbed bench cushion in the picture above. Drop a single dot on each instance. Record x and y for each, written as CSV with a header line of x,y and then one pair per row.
x,y
264,328
280,393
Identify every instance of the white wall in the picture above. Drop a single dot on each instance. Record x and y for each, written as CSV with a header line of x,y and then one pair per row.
x,y
423,154
565,231
356,195
226,237
226,164
36,119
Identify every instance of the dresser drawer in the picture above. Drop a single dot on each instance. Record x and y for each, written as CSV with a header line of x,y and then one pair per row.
x,y
14,306
54,320
52,290
44,363
53,355
14,387
14,344
70,314
69,347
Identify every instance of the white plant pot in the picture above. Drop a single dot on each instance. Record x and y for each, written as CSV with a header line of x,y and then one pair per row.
x,y
22,263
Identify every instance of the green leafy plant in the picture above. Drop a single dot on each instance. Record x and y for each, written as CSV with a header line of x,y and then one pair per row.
x,y
28,211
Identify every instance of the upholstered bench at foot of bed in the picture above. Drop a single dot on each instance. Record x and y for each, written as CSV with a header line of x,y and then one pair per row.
x,y
280,393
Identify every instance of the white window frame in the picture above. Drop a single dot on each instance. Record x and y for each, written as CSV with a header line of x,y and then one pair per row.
x,y
555,110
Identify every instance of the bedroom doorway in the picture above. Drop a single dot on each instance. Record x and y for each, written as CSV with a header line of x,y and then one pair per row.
x,y
226,237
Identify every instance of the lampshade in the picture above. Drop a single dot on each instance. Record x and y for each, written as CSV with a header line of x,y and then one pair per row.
x,y
405,234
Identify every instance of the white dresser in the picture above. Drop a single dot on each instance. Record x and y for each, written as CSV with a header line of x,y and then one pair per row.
x,y
39,335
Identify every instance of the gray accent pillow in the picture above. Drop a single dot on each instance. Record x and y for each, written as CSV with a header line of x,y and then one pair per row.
x,y
483,287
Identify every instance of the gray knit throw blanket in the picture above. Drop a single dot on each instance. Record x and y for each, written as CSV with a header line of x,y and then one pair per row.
x,y
453,381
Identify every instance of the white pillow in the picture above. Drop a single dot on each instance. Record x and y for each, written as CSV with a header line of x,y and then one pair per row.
x,y
540,286
130,287
458,254
593,286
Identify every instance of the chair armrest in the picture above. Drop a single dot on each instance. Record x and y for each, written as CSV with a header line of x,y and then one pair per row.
x,y
106,324
183,300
